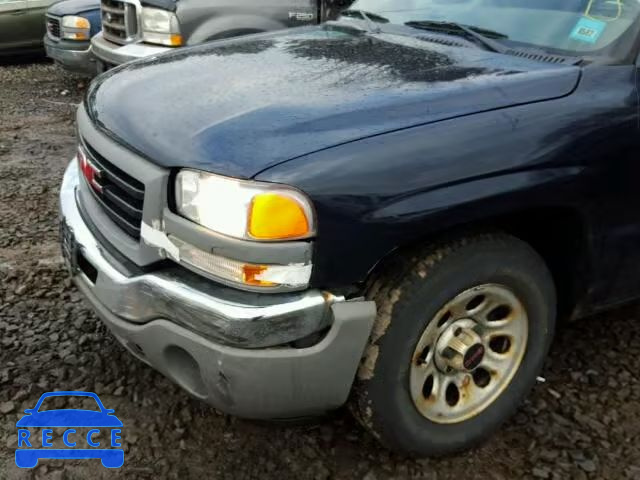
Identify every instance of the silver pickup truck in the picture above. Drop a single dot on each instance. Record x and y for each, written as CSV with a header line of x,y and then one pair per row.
x,y
22,25
134,29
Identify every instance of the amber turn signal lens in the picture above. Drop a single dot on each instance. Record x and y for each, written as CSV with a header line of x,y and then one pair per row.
x,y
251,274
175,40
81,23
277,217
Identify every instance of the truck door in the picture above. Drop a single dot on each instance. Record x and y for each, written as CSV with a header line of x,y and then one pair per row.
x,y
617,276
12,34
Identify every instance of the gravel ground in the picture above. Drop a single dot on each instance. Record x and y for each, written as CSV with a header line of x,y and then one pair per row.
x,y
582,423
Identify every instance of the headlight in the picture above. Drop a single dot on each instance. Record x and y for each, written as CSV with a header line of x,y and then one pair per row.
x,y
160,26
75,28
248,210
244,209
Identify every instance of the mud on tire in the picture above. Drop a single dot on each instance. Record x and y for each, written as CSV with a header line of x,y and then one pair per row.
x,y
409,291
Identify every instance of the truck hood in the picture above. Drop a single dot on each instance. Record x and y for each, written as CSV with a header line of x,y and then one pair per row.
x,y
239,107
170,5
73,7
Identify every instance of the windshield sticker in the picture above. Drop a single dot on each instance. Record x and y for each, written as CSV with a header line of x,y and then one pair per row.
x,y
609,10
588,30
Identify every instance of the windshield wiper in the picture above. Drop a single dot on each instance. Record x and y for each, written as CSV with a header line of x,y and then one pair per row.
x,y
368,17
480,35
486,37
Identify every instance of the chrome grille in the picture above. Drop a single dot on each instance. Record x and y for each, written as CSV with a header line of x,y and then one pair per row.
x,y
121,195
119,21
53,27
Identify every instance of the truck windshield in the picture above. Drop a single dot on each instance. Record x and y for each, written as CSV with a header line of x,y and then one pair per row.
x,y
575,26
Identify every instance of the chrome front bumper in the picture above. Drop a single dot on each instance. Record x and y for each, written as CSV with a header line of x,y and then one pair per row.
x,y
114,54
75,60
227,347
225,315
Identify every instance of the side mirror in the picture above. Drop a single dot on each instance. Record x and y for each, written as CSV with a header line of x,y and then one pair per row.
x,y
109,411
30,410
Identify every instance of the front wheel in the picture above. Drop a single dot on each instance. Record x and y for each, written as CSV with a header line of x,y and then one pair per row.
x,y
462,332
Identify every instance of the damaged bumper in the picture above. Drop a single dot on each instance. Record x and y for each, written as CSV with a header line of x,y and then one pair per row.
x,y
229,348
73,56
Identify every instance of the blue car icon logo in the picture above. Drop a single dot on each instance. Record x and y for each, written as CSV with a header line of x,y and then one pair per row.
x,y
91,431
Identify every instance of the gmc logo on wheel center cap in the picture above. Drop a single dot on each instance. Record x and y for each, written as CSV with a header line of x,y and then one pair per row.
x,y
90,172
474,356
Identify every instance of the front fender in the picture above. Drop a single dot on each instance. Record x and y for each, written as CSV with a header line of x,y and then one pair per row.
x,y
385,192
219,23
96,20
505,190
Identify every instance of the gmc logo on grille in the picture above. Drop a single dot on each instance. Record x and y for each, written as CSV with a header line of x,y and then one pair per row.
x,y
91,173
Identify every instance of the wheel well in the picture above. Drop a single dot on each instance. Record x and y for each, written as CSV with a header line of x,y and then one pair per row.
x,y
559,235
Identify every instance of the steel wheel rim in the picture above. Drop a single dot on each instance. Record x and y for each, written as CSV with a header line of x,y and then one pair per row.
x,y
468,354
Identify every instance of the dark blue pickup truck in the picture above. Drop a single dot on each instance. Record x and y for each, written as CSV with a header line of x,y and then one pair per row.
x,y
70,26
391,209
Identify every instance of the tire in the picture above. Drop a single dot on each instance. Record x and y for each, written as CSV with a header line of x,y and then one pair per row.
x,y
410,292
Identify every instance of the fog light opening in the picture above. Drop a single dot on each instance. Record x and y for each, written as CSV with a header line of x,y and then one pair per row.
x,y
184,369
